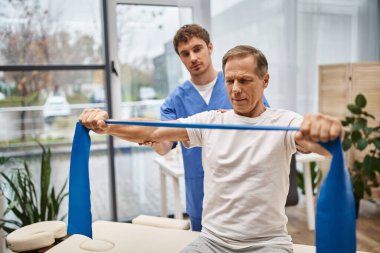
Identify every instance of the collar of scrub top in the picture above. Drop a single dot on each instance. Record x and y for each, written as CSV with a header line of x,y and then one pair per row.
x,y
335,215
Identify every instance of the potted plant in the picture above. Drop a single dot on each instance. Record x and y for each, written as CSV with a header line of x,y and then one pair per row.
x,y
363,139
21,196
316,178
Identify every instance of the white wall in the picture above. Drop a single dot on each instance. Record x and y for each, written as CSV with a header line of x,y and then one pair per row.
x,y
296,36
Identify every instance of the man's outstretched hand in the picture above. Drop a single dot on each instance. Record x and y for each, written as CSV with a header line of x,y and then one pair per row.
x,y
316,128
94,119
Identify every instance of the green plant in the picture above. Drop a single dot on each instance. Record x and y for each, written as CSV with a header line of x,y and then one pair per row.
x,y
22,198
316,177
362,138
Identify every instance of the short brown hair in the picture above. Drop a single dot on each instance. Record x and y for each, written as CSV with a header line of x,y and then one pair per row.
x,y
243,51
186,32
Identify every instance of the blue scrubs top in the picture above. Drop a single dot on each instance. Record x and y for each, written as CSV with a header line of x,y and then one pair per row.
x,y
183,102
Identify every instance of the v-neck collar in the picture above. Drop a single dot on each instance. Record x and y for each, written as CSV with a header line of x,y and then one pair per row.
x,y
197,99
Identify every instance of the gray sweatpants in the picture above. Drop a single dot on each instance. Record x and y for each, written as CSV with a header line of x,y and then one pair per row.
x,y
205,245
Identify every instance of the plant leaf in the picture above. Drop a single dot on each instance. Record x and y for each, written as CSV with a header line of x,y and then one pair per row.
x,y
347,143
357,127
378,164
8,229
376,141
300,181
370,164
362,144
358,166
12,185
63,217
62,189
361,121
368,190
358,186
368,130
369,115
4,160
360,101
350,119
14,222
355,136
45,181
354,109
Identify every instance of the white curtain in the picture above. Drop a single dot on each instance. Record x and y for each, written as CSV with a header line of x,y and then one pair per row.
x,y
297,36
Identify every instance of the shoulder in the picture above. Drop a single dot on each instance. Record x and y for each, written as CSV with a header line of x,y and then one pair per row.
x,y
179,91
176,94
284,116
220,75
207,117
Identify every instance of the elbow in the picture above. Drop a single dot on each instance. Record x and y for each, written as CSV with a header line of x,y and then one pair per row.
x,y
161,152
155,136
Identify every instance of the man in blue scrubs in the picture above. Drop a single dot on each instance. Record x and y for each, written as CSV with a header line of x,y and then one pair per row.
x,y
204,91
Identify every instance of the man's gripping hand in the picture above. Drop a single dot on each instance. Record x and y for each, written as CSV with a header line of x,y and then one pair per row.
x,y
94,119
316,128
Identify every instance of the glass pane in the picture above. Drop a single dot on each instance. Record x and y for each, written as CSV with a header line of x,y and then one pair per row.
x,y
50,32
150,69
45,106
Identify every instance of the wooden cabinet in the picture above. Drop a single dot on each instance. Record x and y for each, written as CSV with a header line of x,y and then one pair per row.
x,y
340,83
338,86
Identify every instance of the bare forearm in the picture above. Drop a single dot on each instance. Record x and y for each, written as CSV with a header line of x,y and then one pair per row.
x,y
138,134
142,134
94,119
307,147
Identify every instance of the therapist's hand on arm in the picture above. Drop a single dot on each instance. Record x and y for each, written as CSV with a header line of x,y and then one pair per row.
x,y
316,128
161,148
94,119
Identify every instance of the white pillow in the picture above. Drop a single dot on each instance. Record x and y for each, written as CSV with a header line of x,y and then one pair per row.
x,y
36,236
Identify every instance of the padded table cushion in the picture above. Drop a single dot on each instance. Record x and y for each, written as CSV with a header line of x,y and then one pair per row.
x,y
127,237
161,222
36,236
114,237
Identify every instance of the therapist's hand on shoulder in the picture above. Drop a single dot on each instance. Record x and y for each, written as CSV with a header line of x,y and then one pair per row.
x,y
315,128
94,119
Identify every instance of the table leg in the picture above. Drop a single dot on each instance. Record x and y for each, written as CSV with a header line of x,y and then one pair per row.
x,y
309,196
164,208
177,200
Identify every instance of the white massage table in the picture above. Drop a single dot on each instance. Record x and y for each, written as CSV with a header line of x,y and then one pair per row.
x,y
158,235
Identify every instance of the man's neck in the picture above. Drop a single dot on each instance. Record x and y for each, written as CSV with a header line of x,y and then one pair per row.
x,y
206,77
256,112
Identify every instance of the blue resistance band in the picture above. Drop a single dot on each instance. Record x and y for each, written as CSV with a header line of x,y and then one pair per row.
x,y
335,227
80,218
202,126
335,218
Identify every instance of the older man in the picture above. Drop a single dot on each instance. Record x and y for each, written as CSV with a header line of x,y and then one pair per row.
x,y
204,91
246,172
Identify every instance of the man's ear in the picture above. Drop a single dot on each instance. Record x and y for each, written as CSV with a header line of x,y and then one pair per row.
x,y
266,80
210,47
